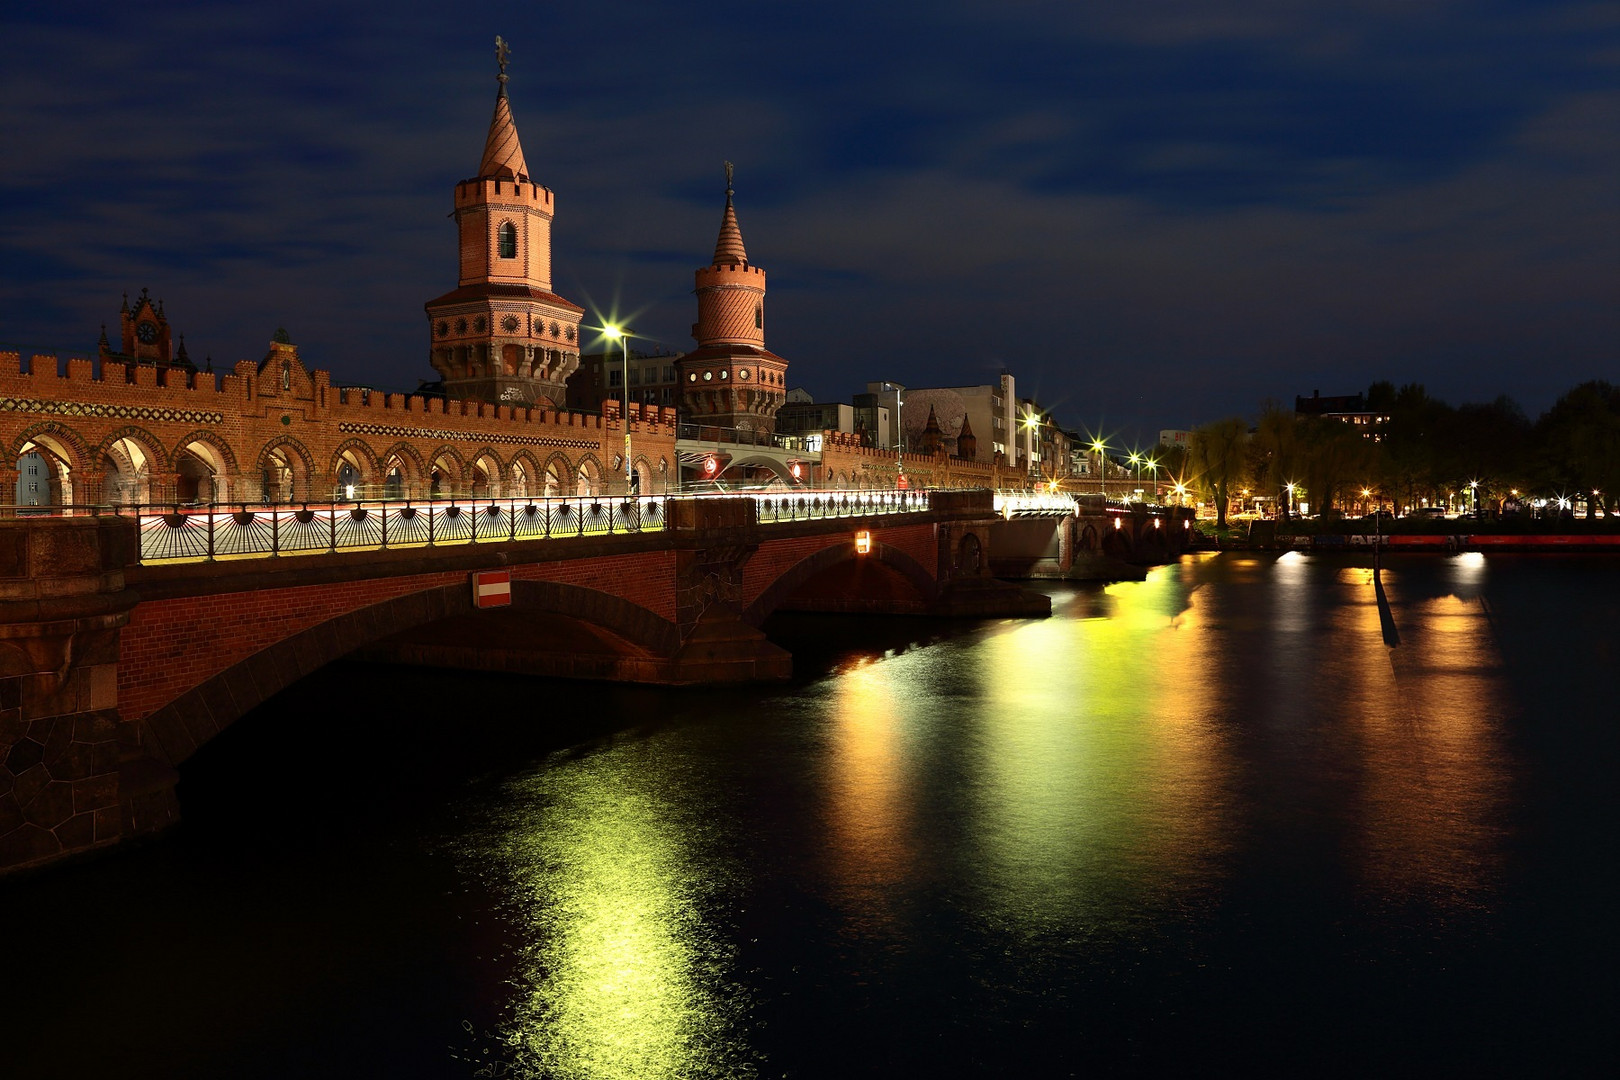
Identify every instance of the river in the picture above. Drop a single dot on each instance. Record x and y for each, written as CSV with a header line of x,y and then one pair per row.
x,y
1209,820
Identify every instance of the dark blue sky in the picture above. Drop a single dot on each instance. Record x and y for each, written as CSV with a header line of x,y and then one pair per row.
x,y
1153,214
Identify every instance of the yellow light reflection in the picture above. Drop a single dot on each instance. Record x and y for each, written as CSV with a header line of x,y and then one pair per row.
x,y
1098,760
868,841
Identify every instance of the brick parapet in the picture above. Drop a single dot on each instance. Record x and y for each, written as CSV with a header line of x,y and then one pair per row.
x,y
76,414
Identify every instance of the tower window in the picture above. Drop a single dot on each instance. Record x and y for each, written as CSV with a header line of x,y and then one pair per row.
x,y
508,240
759,316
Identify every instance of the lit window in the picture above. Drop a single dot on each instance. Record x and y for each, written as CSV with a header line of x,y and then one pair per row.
x,y
508,240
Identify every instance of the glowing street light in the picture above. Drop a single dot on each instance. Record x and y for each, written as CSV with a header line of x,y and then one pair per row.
x,y
1031,423
1290,487
1099,448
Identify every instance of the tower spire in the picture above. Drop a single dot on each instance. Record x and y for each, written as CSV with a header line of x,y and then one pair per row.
x,y
503,153
728,249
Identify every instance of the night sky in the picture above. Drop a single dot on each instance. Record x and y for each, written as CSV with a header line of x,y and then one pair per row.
x,y
1153,214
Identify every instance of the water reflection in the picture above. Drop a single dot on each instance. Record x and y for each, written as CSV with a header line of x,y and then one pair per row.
x,y
620,968
1095,763
869,806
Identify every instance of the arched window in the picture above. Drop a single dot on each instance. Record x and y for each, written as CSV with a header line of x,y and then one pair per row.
x,y
508,240
759,316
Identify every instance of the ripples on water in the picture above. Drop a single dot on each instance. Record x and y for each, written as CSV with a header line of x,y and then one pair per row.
x,y
1205,818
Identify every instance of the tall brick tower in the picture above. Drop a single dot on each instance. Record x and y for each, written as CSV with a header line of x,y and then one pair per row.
x,y
502,335
731,380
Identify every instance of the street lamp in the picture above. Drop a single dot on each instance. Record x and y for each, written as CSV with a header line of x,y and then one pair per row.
x,y
1031,422
899,430
1136,469
1099,449
1473,493
623,334
1290,487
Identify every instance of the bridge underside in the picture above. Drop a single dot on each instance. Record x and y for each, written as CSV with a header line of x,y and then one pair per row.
x,y
540,643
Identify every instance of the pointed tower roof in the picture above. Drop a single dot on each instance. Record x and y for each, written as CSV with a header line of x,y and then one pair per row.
x,y
503,154
728,249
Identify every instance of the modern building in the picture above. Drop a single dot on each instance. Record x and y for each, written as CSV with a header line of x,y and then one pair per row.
x,y
988,412
653,379
814,417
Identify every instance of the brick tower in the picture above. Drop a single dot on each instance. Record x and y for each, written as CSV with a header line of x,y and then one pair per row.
x,y
502,335
731,380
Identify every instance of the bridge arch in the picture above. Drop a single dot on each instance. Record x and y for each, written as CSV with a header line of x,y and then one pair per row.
x,y
800,573
445,471
175,731
286,468
62,453
403,474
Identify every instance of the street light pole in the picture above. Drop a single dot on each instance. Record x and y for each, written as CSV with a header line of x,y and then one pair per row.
x,y
622,334
899,432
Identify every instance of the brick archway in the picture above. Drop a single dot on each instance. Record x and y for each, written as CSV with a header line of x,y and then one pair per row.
x,y
796,576
178,729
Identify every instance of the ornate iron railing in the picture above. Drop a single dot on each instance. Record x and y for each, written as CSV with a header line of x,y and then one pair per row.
x,y
170,533
774,507
1033,503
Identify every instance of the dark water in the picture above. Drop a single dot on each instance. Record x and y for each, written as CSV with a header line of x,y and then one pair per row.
x,y
1206,821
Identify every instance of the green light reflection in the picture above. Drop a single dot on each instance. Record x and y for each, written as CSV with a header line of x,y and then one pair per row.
x,y
619,974
1098,775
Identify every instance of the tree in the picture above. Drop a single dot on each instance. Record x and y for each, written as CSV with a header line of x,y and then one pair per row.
x,y
1580,441
1217,454
1333,455
1274,453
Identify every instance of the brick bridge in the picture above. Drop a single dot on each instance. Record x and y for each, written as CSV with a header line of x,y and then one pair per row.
x,y
114,671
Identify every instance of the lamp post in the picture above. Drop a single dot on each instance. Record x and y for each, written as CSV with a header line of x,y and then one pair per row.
x,y
1031,423
899,431
1098,448
623,334
1290,487
1136,468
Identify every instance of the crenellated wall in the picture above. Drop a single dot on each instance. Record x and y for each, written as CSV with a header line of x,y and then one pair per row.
x,y
277,429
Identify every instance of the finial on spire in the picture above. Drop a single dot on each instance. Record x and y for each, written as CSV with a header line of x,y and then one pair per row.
x,y
728,180
502,55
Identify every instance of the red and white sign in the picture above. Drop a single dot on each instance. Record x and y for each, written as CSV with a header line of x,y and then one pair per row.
x,y
492,588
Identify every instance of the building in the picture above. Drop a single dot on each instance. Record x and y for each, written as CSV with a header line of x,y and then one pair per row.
x,y
600,377
145,336
731,380
141,426
1348,409
502,334
876,422
813,418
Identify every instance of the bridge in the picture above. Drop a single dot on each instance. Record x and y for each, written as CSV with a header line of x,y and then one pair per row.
x,y
129,639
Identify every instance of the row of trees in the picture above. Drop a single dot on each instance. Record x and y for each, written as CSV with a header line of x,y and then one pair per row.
x,y
1422,452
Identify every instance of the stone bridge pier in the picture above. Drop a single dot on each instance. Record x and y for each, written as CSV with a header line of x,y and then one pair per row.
x,y
73,776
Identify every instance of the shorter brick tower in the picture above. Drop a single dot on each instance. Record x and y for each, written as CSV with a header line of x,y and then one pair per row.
x,y
731,380
502,335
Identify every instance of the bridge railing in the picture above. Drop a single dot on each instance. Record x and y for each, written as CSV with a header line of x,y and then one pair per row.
x,y
782,506
178,533
181,533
